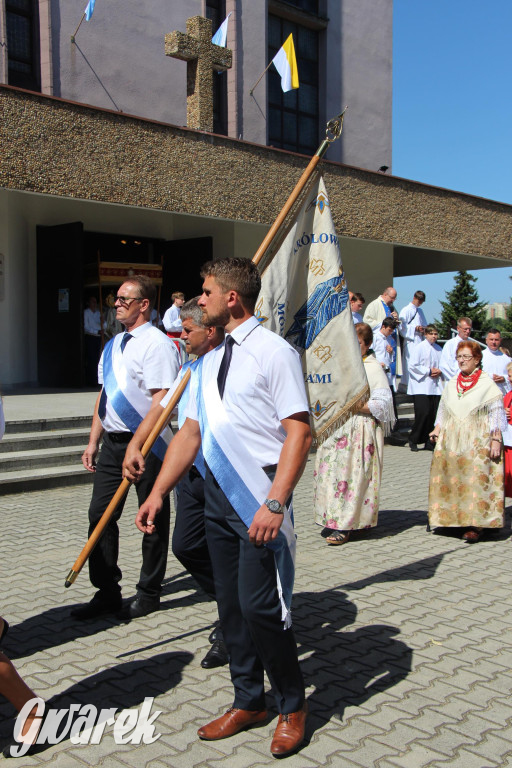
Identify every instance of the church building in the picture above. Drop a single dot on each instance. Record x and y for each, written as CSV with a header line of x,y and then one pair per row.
x,y
128,138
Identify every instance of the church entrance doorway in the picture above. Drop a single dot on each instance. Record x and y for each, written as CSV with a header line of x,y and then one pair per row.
x,y
68,260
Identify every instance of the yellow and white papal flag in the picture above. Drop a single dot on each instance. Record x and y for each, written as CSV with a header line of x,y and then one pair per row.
x,y
285,62
304,298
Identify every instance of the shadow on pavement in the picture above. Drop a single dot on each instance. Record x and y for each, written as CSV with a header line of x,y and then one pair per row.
x,y
56,627
124,686
419,569
346,668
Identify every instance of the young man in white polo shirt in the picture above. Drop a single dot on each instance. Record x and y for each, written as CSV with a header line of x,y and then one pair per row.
x,y
250,409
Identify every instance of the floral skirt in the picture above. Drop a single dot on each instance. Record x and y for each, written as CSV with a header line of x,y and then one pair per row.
x,y
466,489
347,476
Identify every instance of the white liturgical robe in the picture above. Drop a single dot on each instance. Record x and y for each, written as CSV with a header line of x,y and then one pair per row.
x,y
448,364
424,357
496,363
411,317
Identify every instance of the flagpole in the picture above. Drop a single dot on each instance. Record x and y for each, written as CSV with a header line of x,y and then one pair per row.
x,y
76,30
332,132
121,492
258,80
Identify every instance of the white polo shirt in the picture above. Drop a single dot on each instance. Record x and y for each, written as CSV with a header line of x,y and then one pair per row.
x,y
262,388
150,359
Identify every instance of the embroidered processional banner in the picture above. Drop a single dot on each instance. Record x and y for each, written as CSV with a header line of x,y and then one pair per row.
x,y
304,298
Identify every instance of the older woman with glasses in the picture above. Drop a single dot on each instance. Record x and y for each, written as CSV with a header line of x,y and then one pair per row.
x,y
466,477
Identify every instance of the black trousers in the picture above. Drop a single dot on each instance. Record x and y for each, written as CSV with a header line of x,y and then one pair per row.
x,y
104,572
189,543
250,610
425,409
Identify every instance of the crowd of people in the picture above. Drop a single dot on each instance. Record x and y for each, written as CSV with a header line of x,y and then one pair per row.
x,y
462,399
243,440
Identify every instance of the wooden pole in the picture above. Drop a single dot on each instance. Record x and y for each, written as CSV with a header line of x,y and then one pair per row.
x,y
333,131
259,78
125,484
76,30
334,128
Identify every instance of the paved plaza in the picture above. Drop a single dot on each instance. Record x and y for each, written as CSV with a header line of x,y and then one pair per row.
x,y
405,639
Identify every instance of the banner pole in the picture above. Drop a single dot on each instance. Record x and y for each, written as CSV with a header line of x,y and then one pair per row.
x,y
121,492
333,132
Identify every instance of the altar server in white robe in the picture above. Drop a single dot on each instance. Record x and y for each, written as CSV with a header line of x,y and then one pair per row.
x,y
412,329
426,386
448,364
495,362
356,305
385,349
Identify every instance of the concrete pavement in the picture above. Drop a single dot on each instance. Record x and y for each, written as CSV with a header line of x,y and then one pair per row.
x,y
405,640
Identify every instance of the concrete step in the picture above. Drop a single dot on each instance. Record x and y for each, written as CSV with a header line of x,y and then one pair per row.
x,y
43,457
28,441
37,480
45,425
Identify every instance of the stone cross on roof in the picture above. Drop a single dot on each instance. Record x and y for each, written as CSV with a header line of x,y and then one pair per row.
x,y
202,57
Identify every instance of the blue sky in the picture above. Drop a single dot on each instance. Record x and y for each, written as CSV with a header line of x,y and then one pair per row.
x,y
452,114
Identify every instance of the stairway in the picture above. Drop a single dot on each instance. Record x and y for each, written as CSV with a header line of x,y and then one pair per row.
x,y
37,454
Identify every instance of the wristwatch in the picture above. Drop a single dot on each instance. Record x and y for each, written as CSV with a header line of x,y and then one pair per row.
x,y
274,506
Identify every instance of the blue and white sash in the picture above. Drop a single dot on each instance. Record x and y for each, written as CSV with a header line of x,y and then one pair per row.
x,y
125,397
182,407
243,482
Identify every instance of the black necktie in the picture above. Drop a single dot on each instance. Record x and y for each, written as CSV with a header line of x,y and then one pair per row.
x,y
126,339
224,364
102,407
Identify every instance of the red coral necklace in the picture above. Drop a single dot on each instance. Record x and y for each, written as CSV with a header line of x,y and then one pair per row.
x,y
465,383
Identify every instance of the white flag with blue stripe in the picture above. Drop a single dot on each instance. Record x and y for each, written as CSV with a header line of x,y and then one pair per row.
x,y
89,10
221,35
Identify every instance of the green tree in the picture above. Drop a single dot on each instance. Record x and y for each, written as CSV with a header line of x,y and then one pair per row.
x,y
462,301
507,326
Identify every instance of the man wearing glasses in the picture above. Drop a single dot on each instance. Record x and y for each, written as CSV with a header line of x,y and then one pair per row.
x,y
136,369
448,362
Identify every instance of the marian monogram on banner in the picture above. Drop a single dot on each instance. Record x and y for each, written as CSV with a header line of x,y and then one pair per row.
x,y
304,298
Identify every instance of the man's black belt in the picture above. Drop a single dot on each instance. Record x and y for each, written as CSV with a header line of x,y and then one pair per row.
x,y
120,437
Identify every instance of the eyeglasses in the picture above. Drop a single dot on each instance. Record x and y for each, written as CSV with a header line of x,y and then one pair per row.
x,y
127,300
465,357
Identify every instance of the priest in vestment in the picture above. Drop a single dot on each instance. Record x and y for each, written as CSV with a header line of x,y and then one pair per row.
x,y
375,313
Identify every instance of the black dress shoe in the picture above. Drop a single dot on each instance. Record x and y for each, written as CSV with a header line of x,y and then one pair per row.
x,y
214,633
139,606
98,606
429,446
217,656
413,447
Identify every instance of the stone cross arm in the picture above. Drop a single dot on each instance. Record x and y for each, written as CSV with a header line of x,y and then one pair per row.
x,y
202,57
181,46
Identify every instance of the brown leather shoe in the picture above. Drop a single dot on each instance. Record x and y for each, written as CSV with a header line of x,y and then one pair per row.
x,y
289,733
233,721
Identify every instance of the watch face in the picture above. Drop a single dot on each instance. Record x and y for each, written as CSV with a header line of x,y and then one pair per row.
x,y
273,505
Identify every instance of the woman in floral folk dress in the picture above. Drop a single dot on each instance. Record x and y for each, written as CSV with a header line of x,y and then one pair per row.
x,y
349,463
466,477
